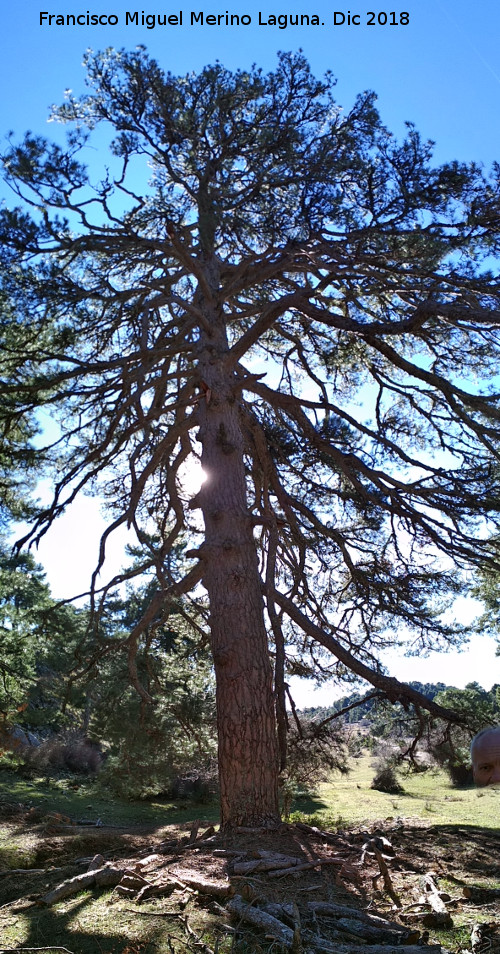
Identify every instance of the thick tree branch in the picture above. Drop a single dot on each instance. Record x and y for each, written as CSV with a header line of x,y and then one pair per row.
x,y
394,690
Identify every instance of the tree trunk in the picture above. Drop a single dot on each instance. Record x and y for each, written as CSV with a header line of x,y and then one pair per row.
x,y
248,758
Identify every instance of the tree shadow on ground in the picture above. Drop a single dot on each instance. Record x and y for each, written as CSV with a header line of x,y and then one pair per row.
x,y
75,928
478,853
308,803
85,799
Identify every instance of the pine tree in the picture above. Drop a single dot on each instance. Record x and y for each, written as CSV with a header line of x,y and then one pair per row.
x,y
297,300
34,630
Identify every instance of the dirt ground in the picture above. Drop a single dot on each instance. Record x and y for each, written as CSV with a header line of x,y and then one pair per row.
x,y
354,868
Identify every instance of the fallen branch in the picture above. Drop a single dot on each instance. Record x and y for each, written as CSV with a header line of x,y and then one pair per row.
x,y
384,872
483,938
283,912
328,909
379,843
228,853
374,934
150,859
304,866
197,940
96,862
217,889
102,877
123,892
370,927
322,945
480,895
440,916
329,836
162,888
259,919
153,914
269,863
4,950
272,855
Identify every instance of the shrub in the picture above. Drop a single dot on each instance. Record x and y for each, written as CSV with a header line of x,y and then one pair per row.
x,y
70,753
386,780
460,775
454,759
314,752
198,788
145,773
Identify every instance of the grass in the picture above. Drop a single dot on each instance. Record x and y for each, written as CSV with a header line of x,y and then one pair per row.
x,y
344,800
347,800
89,924
84,799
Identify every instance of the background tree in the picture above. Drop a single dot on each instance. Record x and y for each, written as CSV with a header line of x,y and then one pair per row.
x,y
66,683
32,629
487,589
450,745
18,458
149,745
296,300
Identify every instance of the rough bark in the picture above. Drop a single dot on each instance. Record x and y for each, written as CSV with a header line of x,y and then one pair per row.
x,y
330,909
440,916
247,745
261,920
216,889
103,877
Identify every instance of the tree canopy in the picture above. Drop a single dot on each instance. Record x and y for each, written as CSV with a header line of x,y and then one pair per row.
x,y
282,290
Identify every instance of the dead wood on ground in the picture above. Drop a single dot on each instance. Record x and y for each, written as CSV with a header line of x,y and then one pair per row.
x,y
263,880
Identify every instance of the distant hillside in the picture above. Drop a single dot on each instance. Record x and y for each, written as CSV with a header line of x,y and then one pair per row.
x,y
483,704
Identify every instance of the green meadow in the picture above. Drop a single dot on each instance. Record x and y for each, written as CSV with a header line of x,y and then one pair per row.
x,y
348,800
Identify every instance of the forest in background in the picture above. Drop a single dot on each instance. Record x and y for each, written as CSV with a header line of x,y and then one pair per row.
x,y
67,709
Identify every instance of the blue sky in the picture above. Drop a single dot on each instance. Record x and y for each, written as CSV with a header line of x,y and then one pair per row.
x,y
441,71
